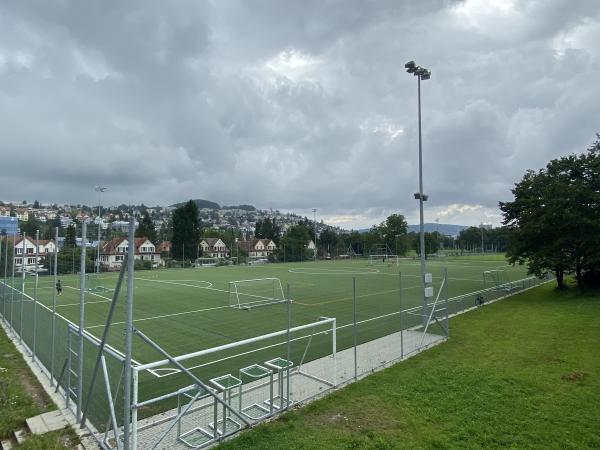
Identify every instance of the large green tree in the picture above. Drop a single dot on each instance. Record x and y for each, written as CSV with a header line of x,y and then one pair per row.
x,y
267,229
390,233
186,231
293,244
553,223
146,228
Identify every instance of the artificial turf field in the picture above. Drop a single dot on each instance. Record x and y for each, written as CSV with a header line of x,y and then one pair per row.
x,y
186,310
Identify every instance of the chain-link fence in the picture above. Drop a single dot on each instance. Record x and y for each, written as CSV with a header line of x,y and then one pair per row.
x,y
333,325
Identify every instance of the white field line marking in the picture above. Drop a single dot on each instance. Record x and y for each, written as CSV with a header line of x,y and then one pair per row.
x,y
163,316
177,283
194,311
419,276
345,299
87,303
319,271
73,324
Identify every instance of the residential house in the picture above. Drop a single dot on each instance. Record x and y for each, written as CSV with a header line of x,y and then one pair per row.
x,y
214,248
25,253
257,248
164,247
112,253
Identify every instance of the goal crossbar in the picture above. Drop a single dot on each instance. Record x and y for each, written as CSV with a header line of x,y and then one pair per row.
x,y
255,292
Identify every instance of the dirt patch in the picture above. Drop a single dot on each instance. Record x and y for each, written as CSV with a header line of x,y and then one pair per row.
x,y
35,391
574,376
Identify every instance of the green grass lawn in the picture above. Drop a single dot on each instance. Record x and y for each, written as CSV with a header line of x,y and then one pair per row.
x,y
22,397
521,373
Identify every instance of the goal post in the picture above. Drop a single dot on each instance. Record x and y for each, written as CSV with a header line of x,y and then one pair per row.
x,y
496,279
383,259
247,294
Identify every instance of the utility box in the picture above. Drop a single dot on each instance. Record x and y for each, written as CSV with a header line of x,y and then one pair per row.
x,y
428,278
428,291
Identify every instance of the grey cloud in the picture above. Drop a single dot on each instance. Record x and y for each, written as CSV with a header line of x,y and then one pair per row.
x,y
292,105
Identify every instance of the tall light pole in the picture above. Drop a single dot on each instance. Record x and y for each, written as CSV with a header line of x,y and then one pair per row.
x,y
422,74
99,190
315,219
482,238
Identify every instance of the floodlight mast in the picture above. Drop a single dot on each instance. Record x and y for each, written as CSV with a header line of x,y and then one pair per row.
x,y
99,190
315,223
422,74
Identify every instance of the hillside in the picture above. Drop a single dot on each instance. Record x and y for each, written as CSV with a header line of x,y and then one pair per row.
x,y
443,228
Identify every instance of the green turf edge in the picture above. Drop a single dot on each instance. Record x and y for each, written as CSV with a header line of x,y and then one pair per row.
x,y
521,373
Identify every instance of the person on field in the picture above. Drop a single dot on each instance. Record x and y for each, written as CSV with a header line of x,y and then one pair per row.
x,y
58,288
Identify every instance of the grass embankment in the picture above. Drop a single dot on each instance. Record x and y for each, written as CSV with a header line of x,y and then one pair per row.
x,y
521,373
21,397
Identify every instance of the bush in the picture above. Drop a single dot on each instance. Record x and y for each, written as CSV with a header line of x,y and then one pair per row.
x,y
140,264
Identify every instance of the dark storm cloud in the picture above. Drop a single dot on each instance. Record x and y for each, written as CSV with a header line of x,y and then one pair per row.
x,y
293,105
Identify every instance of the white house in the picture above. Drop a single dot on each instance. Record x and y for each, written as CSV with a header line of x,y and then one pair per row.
x,y
258,247
25,251
214,248
113,252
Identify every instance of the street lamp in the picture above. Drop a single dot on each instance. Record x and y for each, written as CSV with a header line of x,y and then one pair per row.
x,y
482,251
422,74
99,190
315,219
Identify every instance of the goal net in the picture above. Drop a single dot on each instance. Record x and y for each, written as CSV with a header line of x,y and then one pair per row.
x,y
383,259
93,283
247,294
497,280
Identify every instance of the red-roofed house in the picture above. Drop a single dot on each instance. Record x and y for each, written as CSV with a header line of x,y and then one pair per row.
x,y
214,248
113,252
24,252
257,247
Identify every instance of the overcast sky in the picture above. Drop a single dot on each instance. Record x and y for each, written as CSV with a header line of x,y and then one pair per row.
x,y
293,104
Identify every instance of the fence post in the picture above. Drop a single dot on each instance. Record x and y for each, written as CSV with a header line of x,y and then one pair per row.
x,y
12,283
128,336
4,280
354,326
37,254
446,297
81,319
22,288
289,348
401,324
54,307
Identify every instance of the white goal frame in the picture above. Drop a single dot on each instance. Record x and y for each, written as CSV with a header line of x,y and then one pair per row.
x,y
383,259
255,299
496,279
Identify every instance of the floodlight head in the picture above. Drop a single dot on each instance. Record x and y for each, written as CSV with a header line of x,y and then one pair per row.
x,y
420,71
410,66
426,75
100,189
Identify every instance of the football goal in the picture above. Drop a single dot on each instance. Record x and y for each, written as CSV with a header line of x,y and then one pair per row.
x,y
93,283
383,259
247,294
497,280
